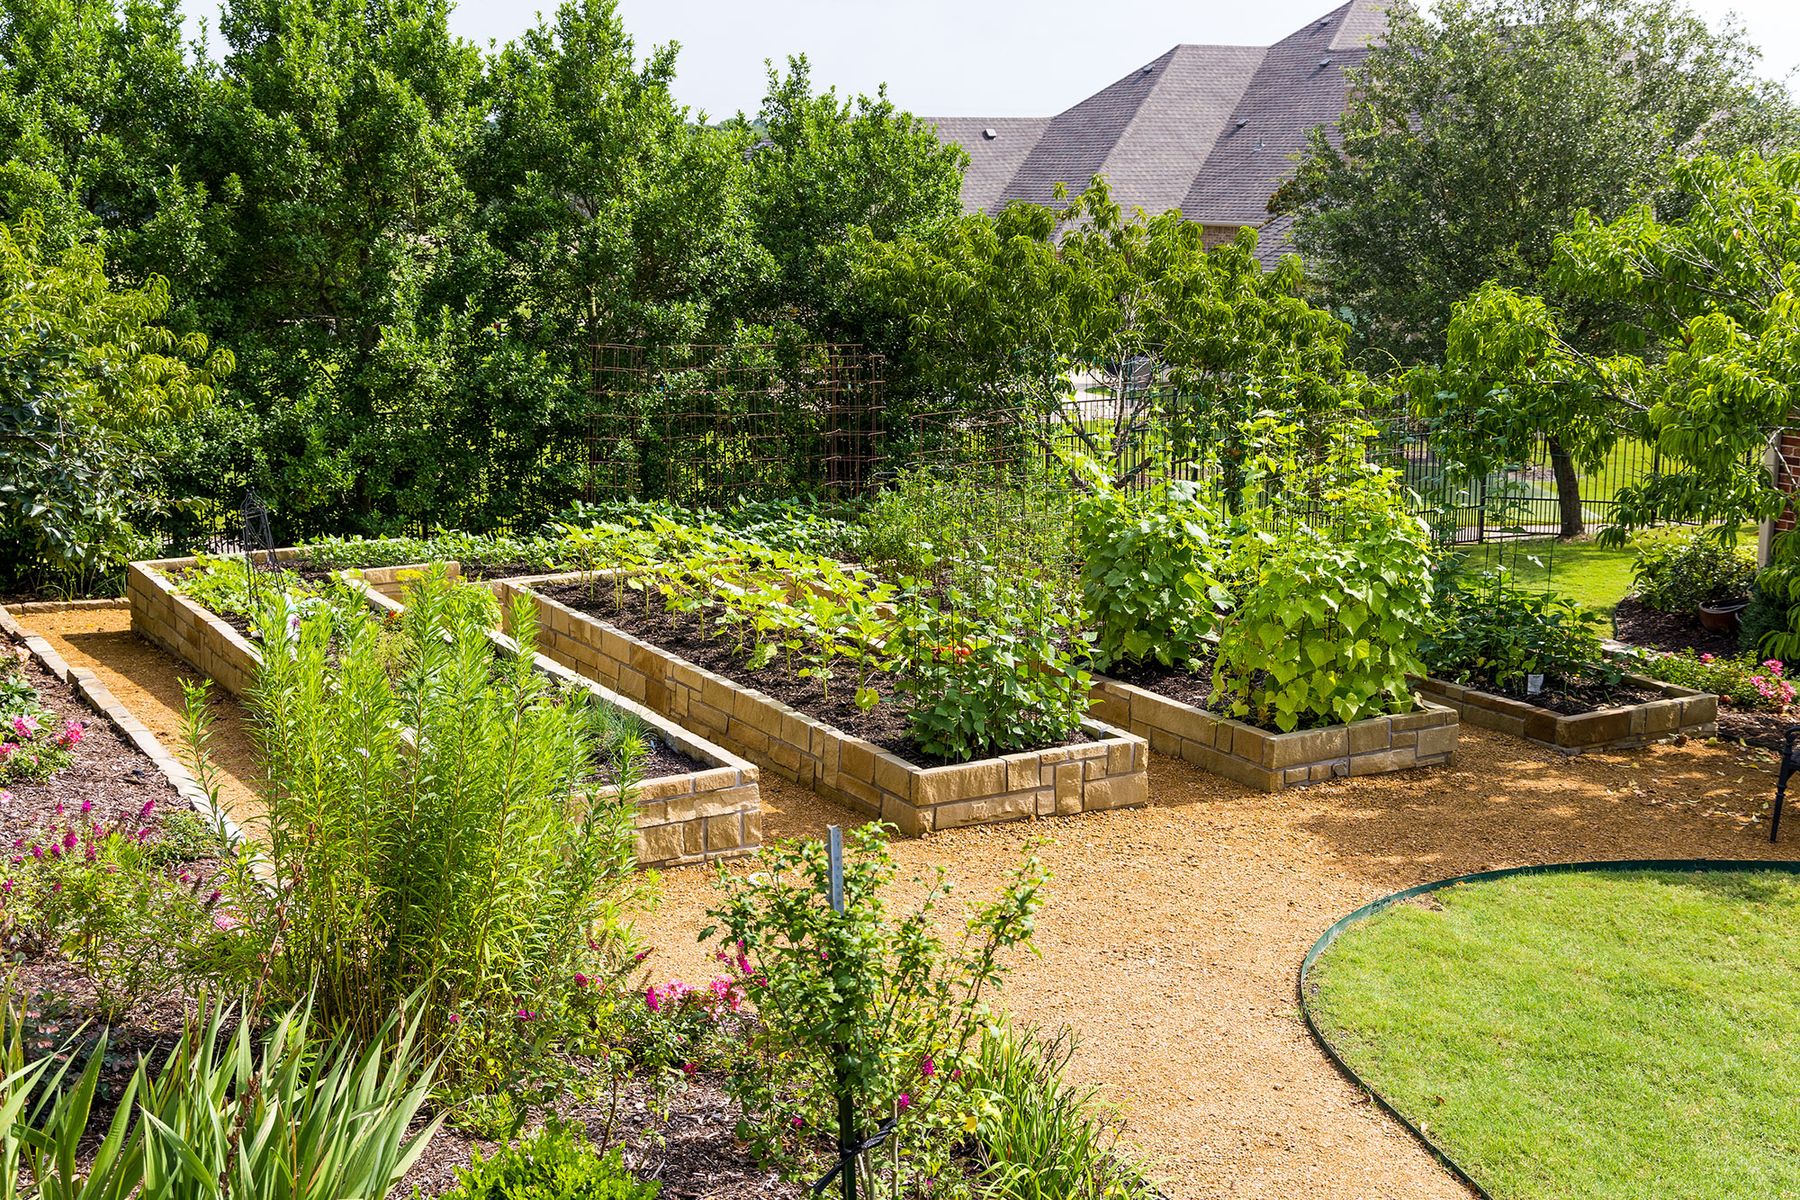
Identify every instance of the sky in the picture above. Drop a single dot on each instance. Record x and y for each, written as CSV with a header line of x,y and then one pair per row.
x,y
997,58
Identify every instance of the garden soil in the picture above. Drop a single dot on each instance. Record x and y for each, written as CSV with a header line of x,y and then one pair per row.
x,y
1174,932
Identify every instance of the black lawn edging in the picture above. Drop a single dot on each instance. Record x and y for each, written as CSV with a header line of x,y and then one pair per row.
x,y
1604,866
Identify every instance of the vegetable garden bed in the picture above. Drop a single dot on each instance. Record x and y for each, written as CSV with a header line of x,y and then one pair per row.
x,y
1676,711
705,808
1260,758
1106,771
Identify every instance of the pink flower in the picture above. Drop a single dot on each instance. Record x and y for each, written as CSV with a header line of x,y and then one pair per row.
x,y
26,726
1706,658
71,736
689,1069
927,1067
525,1014
454,1019
224,919
6,750
652,1000
149,807
904,1103
956,1073
6,887
581,980
1772,665
87,806
796,1122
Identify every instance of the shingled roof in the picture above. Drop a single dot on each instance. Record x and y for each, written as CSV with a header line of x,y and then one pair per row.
x,y
1210,130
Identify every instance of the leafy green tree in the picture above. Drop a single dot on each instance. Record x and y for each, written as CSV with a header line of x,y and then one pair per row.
x,y
1123,332
1476,132
90,384
820,167
1711,364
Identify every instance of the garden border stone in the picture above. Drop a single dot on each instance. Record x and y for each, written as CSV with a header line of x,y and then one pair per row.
x,y
1106,773
1271,762
698,816
1680,712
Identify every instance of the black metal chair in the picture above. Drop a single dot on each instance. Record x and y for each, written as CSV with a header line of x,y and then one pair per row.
x,y
1790,762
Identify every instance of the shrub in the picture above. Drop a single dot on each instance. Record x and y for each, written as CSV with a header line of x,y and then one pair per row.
x,y
1330,621
994,671
868,1003
1148,573
418,836
34,743
1677,570
1766,617
557,1162
1038,1136
1489,631
1740,679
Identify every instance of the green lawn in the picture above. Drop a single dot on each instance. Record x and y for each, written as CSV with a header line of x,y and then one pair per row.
x,y
1586,1035
1597,576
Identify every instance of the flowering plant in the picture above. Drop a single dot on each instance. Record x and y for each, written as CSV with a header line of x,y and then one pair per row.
x,y
1738,679
34,743
108,896
863,1003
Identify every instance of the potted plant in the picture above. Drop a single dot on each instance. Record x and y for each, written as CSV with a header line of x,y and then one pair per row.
x,y
1693,571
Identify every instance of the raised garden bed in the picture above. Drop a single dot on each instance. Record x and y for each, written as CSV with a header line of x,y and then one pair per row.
x,y
704,804
1107,770
1666,711
1260,758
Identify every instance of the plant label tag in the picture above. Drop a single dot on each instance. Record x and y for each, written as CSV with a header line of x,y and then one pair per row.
x,y
1534,684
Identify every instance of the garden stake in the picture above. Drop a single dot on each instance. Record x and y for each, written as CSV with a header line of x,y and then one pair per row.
x,y
847,1147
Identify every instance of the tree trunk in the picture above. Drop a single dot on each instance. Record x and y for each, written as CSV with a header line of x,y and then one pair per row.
x,y
1568,491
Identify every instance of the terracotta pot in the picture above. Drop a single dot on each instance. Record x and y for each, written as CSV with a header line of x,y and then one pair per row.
x,y
1722,618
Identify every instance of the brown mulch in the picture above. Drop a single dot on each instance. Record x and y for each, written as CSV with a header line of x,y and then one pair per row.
x,y
1585,696
691,1149
1637,624
688,636
1763,730
1186,687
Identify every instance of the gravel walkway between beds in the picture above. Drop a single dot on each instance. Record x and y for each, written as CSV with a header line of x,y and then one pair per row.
x,y
1174,932
147,681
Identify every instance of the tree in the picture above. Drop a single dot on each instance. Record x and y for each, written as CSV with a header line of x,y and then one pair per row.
x,y
90,386
820,167
1122,332
1709,364
1475,134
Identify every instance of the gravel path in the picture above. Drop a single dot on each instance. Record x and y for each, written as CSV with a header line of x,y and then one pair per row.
x,y
148,682
1174,932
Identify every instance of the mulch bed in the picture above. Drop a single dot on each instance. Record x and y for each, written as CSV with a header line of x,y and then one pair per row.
x,y
693,1153
1185,687
688,636
1576,699
1637,624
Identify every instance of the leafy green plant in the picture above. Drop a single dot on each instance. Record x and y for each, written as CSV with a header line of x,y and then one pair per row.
x,y
1149,574
418,835
556,1162
1330,621
1765,617
238,1109
993,672
1037,1136
943,526
869,1004
34,744
1677,570
1740,680
1486,630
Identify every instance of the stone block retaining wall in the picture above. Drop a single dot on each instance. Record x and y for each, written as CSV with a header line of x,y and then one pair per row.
x,y
1272,761
1680,711
1108,771
199,638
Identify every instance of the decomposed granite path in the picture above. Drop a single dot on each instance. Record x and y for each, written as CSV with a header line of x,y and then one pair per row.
x,y
1173,934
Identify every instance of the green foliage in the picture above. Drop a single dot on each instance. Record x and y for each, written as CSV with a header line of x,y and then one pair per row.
x,y
90,384
557,1162
1738,679
1677,570
1037,1135
1150,573
1487,631
994,671
1765,616
951,526
1330,619
1478,129
269,1112
871,1002
34,744
417,836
